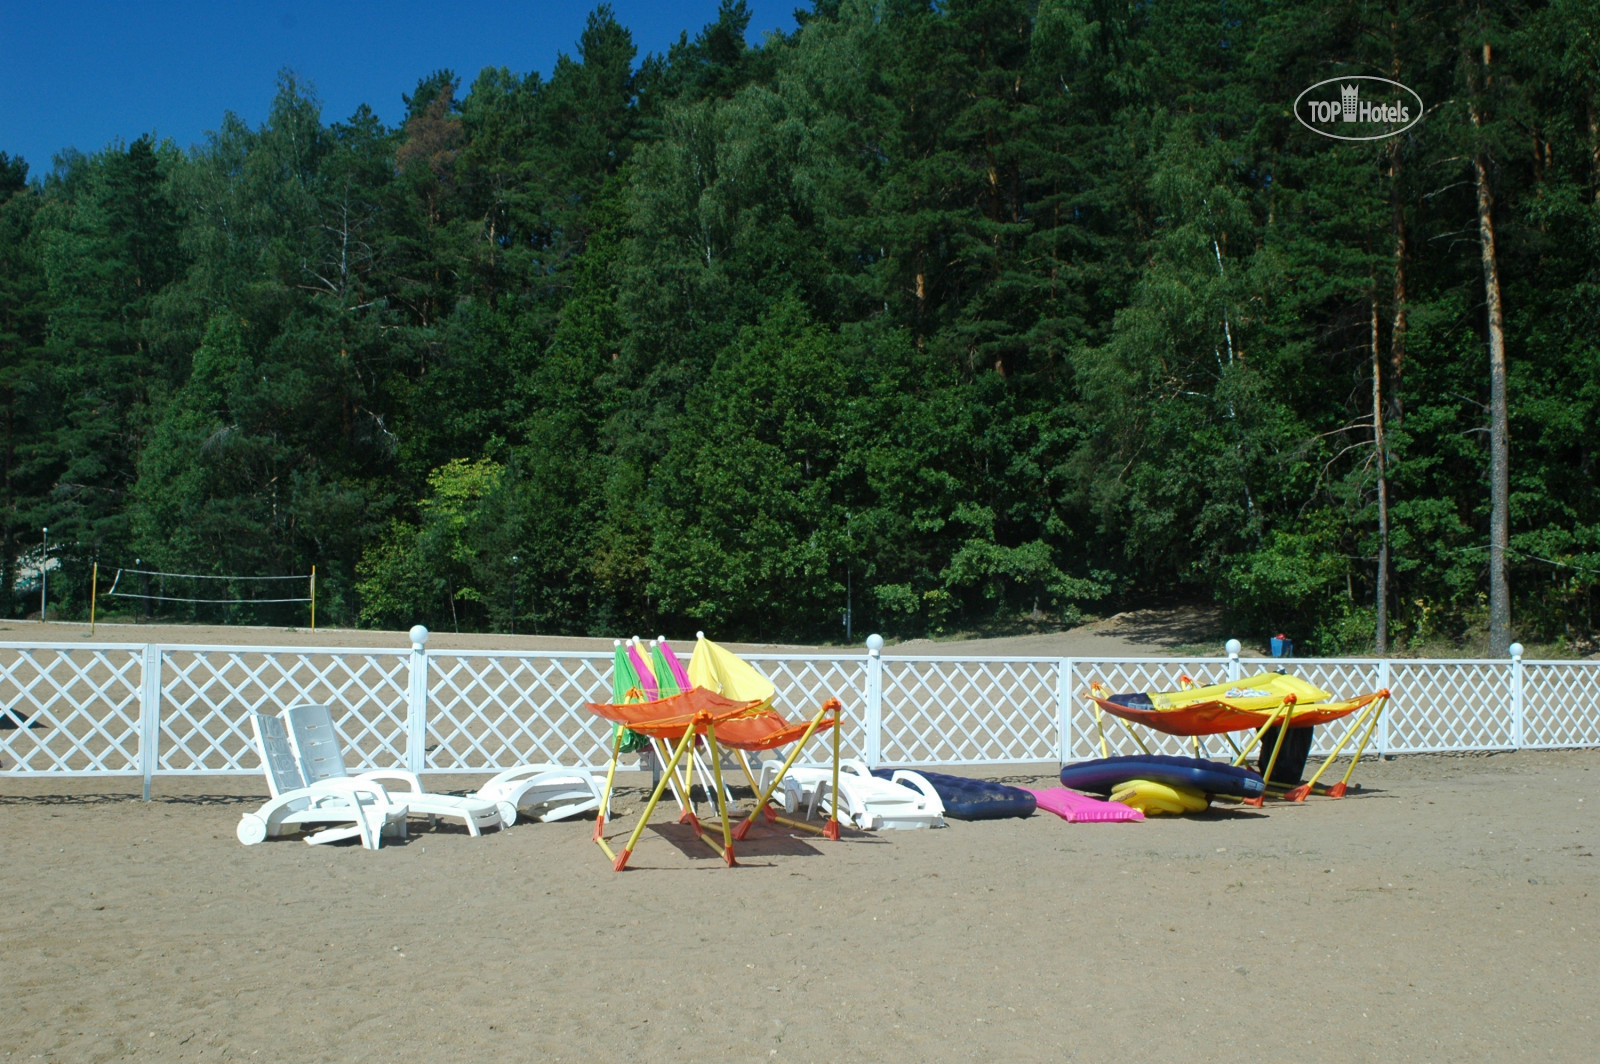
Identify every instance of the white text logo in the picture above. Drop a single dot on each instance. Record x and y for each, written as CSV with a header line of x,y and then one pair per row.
x,y
1339,108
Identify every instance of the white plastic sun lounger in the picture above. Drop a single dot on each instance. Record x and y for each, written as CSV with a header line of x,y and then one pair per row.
x,y
543,792
361,810
321,757
866,802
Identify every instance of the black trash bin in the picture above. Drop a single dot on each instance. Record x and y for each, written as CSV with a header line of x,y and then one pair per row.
x,y
1291,759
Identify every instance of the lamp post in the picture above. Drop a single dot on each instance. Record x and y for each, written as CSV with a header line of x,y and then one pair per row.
x,y
43,575
513,594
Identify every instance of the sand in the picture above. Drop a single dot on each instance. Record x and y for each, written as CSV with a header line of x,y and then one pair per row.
x,y
1446,912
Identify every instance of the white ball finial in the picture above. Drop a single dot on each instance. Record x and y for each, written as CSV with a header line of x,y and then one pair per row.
x,y
419,637
699,635
1233,647
1516,650
874,643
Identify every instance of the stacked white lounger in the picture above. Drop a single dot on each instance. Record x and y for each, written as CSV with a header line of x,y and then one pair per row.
x,y
866,801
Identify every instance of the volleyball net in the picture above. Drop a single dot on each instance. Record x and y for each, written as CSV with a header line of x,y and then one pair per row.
x,y
153,586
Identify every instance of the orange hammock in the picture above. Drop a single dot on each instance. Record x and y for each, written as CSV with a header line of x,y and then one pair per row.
x,y
748,725
1217,715
668,718
1256,704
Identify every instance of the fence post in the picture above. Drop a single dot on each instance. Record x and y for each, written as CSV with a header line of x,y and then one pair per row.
x,y
149,715
1065,738
1383,721
1233,646
417,701
873,723
1516,696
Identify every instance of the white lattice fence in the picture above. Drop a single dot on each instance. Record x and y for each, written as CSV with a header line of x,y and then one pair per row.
x,y
960,711
207,694
804,683
1449,705
488,711
1560,703
71,710
68,709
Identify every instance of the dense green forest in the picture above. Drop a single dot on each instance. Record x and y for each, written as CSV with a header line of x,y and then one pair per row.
x,y
964,315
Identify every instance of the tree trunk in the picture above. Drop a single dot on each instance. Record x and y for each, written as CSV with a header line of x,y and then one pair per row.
x,y
1381,592
1397,333
1594,145
1499,457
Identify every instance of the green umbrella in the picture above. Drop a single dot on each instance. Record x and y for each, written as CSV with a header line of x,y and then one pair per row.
x,y
665,679
625,687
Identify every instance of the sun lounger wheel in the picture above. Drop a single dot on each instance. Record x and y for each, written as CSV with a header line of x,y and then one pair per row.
x,y
508,813
251,830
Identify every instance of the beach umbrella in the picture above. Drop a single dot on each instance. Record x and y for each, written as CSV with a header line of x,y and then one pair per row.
x,y
625,687
666,678
680,675
641,667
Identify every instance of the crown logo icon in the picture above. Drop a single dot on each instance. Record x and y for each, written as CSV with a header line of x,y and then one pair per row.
x,y
1348,95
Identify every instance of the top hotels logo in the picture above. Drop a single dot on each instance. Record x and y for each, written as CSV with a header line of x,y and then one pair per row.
x,y
1358,107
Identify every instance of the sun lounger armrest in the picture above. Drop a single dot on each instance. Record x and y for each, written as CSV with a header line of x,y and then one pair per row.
x,y
544,774
347,789
401,775
917,782
854,767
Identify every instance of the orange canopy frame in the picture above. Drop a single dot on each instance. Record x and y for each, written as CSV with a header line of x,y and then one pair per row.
x,y
1256,704
1216,716
746,725
670,717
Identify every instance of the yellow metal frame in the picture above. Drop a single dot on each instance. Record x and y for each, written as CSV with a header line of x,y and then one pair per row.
x,y
1366,723
682,787
830,830
724,850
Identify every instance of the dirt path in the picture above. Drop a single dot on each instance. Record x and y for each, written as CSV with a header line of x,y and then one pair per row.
x,y
1145,633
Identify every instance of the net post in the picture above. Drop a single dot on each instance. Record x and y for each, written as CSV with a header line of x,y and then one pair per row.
x,y
94,590
313,598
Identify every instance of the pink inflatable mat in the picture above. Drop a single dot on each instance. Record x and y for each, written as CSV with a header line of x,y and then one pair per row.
x,y
1077,808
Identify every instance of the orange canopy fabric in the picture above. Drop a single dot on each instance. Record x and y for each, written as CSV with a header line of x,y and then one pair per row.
x,y
669,718
1217,715
767,731
742,725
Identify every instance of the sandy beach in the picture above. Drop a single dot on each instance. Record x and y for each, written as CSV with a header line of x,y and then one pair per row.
x,y
1448,911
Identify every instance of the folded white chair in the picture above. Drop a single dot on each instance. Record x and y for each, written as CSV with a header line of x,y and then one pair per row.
x,y
361,809
866,802
321,757
544,792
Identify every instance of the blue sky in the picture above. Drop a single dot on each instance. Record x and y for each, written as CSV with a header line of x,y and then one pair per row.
x,y
83,73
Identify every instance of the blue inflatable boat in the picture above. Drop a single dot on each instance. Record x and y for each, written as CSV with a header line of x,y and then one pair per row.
x,y
1213,777
970,799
